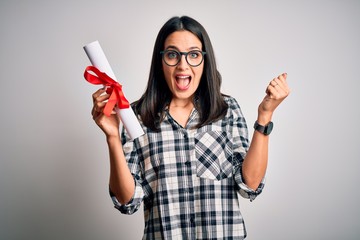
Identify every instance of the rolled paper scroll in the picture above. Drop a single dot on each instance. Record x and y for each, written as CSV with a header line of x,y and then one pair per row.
x,y
103,74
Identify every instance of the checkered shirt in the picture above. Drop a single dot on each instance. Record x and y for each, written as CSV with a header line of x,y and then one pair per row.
x,y
188,179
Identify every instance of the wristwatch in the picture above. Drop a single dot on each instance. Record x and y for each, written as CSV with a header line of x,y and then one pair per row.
x,y
266,130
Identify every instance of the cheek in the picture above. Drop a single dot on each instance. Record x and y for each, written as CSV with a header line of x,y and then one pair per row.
x,y
167,73
199,72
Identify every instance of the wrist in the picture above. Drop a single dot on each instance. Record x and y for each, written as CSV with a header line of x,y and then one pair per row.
x,y
264,117
111,139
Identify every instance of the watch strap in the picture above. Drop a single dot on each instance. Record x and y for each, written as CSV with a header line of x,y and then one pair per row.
x,y
266,130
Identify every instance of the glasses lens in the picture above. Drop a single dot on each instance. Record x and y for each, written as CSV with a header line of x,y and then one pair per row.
x,y
171,57
194,58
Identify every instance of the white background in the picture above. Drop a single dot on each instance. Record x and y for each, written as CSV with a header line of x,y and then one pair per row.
x,y
53,159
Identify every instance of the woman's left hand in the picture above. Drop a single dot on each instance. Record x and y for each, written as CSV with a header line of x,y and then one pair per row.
x,y
276,92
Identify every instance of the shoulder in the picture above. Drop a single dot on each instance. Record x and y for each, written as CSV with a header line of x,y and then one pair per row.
x,y
233,106
232,103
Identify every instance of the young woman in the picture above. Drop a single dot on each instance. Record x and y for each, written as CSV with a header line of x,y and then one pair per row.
x,y
195,155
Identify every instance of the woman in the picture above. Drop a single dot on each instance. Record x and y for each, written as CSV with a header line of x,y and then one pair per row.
x,y
195,156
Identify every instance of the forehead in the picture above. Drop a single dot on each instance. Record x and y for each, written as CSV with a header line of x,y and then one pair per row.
x,y
183,40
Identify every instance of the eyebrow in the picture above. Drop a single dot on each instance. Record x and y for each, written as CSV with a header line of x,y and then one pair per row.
x,y
174,47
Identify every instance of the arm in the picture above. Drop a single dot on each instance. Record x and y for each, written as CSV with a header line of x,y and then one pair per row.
x,y
255,162
121,181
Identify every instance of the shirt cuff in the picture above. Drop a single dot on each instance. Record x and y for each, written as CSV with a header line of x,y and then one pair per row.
x,y
247,192
133,205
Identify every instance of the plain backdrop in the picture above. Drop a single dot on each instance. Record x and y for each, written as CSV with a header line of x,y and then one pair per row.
x,y
53,158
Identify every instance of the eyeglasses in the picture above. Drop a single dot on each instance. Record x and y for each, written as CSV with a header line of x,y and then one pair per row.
x,y
193,58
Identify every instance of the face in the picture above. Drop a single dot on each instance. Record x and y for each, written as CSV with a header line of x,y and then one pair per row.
x,y
182,79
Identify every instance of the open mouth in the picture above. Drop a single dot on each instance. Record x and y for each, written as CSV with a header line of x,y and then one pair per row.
x,y
183,81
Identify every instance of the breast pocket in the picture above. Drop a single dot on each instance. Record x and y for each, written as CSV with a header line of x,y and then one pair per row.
x,y
213,151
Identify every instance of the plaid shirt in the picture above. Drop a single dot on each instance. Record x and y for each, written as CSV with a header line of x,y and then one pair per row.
x,y
189,178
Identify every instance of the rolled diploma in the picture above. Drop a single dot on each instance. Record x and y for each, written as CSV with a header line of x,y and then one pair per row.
x,y
98,59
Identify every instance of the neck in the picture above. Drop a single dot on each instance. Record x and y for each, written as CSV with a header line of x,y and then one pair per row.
x,y
180,110
182,103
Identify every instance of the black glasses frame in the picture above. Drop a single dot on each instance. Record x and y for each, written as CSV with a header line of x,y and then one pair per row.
x,y
182,53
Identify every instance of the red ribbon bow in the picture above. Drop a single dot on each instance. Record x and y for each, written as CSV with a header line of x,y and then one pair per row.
x,y
113,87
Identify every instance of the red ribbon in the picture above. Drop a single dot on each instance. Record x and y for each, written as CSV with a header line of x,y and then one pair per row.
x,y
112,87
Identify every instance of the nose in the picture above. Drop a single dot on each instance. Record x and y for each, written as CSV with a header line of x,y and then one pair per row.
x,y
182,63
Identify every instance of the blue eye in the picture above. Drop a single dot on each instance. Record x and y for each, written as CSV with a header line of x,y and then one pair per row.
x,y
194,54
172,55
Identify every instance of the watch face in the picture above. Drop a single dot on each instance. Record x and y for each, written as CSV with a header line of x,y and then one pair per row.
x,y
268,128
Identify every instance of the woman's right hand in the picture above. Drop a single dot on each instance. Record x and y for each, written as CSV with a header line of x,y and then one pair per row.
x,y
109,125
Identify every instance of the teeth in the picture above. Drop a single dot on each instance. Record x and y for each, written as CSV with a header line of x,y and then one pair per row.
x,y
183,81
182,76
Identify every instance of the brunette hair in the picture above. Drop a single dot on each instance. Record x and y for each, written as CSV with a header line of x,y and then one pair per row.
x,y
210,102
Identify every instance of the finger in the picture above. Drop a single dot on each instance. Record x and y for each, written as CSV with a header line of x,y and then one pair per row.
x,y
100,102
97,109
102,98
98,93
95,114
281,83
282,77
273,82
270,90
97,118
274,88
279,87
99,106
275,93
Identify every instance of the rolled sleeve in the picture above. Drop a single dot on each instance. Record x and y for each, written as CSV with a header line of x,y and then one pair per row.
x,y
247,192
133,205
